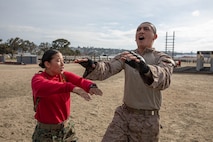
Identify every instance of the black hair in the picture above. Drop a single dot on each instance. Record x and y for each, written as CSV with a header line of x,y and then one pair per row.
x,y
47,56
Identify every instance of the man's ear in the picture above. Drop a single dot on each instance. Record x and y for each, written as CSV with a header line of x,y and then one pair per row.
x,y
155,37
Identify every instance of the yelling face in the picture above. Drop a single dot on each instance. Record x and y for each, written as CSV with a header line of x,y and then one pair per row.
x,y
145,36
56,65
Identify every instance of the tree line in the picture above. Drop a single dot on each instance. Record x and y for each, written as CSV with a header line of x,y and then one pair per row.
x,y
17,45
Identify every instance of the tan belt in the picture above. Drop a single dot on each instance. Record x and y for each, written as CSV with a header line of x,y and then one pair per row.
x,y
140,111
51,126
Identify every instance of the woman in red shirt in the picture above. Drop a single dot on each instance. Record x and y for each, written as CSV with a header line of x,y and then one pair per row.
x,y
51,93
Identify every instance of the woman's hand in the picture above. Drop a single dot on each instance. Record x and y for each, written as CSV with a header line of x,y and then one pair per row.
x,y
95,91
81,93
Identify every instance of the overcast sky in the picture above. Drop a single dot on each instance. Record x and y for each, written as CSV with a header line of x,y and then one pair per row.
x,y
108,23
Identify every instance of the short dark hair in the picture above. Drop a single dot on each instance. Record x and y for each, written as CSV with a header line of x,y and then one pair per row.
x,y
152,26
47,56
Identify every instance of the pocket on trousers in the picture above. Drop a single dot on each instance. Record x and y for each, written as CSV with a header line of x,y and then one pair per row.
x,y
44,135
155,125
139,124
41,135
69,132
151,126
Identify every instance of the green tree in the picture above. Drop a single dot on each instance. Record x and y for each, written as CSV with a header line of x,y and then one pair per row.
x,y
27,46
67,51
3,47
13,45
77,53
44,46
60,43
63,46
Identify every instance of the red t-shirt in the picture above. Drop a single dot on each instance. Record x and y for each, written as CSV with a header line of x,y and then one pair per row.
x,y
54,95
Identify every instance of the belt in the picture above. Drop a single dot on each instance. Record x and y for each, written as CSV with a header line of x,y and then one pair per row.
x,y
51,126
140,111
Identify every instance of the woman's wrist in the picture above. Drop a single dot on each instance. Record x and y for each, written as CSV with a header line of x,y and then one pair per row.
x,y
93,86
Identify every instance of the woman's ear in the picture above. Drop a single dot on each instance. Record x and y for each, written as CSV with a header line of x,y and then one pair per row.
x,y
46,64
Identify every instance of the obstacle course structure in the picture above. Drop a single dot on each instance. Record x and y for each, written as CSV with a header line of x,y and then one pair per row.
x,y
204,57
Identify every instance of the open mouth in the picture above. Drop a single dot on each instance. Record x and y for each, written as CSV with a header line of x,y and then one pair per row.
x,y
141,38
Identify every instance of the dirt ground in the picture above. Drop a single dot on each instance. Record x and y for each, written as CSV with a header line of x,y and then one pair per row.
x,y
186,112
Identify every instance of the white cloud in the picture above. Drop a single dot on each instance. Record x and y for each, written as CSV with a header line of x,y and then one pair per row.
x,y
196,13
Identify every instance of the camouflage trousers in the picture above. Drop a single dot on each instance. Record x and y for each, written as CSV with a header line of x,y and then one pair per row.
x,y
63,132
132,126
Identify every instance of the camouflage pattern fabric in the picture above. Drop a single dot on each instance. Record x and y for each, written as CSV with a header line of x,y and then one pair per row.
x,y
129,126
55,132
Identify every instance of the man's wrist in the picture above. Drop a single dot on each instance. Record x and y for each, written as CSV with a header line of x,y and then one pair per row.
x,y
148,73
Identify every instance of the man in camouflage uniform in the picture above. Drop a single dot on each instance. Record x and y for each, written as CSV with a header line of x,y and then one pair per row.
x,y
147,72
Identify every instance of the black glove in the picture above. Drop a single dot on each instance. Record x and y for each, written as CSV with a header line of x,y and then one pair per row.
x,y
88,66
142,67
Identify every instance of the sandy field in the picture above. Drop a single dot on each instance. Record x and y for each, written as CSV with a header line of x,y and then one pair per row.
x,y
186,112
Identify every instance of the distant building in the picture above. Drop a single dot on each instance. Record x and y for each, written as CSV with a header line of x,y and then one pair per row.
x,y
27,59
2,59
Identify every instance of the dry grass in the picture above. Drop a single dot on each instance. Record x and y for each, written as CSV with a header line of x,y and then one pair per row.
x,y
186,113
